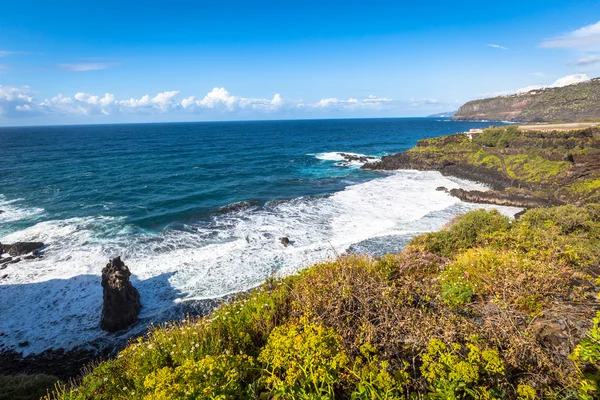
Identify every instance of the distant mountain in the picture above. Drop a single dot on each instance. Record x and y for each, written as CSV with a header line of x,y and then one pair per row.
x,y
569,103
448,114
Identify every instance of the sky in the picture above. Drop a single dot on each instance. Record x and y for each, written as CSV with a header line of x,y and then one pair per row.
x,y
78,62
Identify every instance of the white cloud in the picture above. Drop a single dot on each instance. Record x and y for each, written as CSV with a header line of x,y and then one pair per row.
x,y
588,60
585,39
15,102
497,46
81,67
564,81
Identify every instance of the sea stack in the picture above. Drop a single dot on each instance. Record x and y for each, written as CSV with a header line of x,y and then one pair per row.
x,y
121,301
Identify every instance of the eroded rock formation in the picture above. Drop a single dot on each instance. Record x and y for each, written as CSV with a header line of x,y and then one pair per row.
x,y
121,301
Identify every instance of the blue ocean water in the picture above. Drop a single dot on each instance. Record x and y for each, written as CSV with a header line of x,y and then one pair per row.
x,y
154,175
155,195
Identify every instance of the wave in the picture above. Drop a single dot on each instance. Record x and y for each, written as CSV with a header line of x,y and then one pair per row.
x,y
56,301
342,157
11,210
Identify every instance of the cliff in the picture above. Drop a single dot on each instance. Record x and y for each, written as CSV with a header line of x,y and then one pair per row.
x,y
569,103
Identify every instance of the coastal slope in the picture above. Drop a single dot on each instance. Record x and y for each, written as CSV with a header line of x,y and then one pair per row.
x,y
569,103
488,307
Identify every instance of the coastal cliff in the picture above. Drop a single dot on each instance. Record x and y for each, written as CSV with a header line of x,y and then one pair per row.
x,y
569,103
526,168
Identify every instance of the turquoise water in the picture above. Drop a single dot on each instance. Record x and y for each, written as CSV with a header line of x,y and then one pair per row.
x,y
197,211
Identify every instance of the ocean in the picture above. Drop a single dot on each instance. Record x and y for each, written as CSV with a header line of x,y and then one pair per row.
x,y
197,210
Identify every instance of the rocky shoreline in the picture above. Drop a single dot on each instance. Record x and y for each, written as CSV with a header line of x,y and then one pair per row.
x,y
522,168
67,364
498,183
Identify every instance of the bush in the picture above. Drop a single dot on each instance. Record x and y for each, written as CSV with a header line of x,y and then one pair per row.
x,y
463,232
587,358
303,360
374,380
221,377
452,374
497,137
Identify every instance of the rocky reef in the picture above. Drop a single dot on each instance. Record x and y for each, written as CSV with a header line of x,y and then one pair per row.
x,y
523,168
569,103
121,301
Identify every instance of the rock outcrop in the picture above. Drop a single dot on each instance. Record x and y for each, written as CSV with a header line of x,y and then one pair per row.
x,y
121,301
20,248
569,103
499,198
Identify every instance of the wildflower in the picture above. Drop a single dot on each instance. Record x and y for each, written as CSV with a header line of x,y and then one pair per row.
x,y
105,379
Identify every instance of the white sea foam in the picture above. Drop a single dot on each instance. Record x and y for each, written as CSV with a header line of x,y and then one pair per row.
x,y
12,211
337,156
56,301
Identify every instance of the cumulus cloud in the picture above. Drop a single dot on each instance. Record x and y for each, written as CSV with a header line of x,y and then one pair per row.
x,y
585,39
497,46
82,67
19,102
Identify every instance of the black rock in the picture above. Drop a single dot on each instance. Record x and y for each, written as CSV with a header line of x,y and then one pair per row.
x,y
20,248
441,189
121,301
285,241
24,344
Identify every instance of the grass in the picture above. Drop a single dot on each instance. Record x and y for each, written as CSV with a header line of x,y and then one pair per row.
x,y
486,308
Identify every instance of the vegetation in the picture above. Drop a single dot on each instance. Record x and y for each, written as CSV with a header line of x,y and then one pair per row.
x,y
558,167
569,103
487,308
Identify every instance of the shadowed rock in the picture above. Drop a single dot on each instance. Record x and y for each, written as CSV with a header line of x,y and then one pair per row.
x,y
20,248
121,301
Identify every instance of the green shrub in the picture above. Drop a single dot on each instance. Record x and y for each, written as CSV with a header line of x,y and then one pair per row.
x,y
464,232
587,358
497,137
223,377
457,372
374,380
303,360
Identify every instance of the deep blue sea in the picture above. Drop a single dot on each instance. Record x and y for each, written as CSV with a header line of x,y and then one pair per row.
x,y
196,210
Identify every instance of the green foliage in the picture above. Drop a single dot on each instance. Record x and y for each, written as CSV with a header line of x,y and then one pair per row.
x,y
25,387
497,137
374,379
303,360
463,232
534,168
452,374
220,377
587,357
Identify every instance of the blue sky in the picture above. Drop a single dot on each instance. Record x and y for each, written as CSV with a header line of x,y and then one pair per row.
x,y
102,62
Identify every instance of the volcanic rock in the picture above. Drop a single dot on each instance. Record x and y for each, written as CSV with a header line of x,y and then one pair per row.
x,y
121,301
20,248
